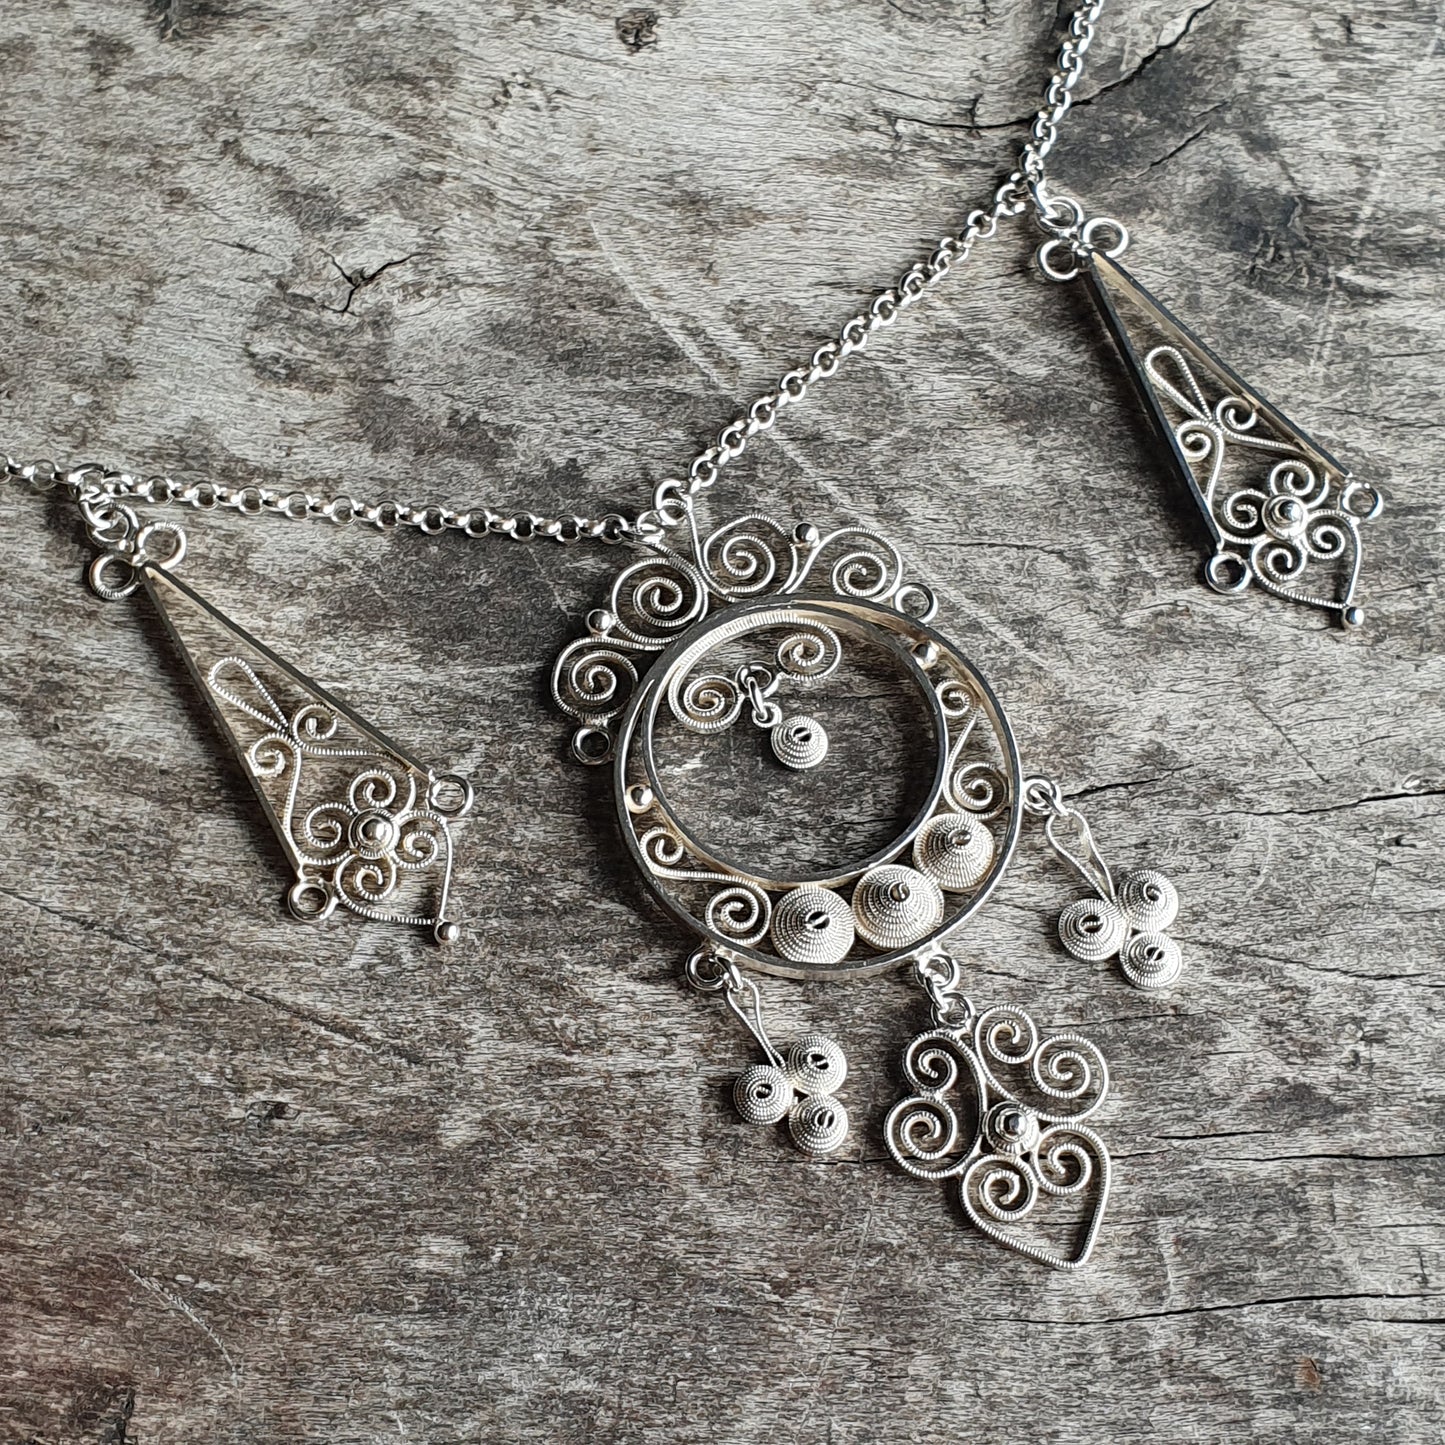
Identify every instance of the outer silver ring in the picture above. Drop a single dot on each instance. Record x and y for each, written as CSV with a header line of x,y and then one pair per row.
x,y
899,634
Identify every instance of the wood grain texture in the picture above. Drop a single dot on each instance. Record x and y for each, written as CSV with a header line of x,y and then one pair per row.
x,y
268,1184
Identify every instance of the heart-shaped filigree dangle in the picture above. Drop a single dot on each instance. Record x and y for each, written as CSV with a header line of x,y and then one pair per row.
x,y
1012,1149
1293,555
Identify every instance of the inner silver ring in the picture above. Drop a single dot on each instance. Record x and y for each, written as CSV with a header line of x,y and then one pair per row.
x,y
728,629
876,623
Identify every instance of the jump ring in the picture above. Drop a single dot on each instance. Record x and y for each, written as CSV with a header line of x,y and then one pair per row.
x,y
1044,257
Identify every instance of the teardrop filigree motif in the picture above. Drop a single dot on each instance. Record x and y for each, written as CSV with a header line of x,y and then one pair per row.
x,y
1293,531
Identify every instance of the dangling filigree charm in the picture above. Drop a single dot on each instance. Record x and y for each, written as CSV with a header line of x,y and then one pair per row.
x,y
1014,1146
798,1086
1293,529
735,627
364,826
1130,920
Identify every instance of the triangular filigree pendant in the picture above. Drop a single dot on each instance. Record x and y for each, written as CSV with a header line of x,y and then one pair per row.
x,y
365,826
1279,510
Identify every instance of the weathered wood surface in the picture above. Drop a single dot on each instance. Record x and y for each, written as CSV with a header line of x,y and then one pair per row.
x,y
268,1184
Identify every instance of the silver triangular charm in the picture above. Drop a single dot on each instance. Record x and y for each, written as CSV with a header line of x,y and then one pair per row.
x,y
1279,509
364,825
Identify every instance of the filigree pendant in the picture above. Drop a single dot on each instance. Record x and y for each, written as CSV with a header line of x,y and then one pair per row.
x,y
1277,509
693,646
695,649
706,655
1130,920
365,827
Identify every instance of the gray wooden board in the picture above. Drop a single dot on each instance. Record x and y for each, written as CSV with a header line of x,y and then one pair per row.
x,y
266,1183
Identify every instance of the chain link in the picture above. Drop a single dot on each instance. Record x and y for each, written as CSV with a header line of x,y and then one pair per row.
x,y
1043,797
1058,98
671,504
1025,186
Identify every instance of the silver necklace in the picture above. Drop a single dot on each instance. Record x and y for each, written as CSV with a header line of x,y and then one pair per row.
x,y
733,628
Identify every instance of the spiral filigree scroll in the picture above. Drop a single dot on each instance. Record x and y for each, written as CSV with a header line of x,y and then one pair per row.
x,y
1010,1148
658,598
705,701
748,558
1297,534
737,911
360,848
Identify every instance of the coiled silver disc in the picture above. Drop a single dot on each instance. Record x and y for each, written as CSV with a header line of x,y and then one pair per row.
x,y
956,851
816,1064
818,1124
800,742
763,1094
894,906
1093,929
1149,900
813,925
1151,960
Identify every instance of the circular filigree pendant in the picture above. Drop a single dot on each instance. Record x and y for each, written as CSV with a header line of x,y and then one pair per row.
x,y
733,637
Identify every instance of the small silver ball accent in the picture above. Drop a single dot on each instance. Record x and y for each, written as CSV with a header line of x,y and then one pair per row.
x,y
762,1094
1285,517
956,851
800,742
894,906
813,925
1149,900
816,1064
448,932
925,654
1011,1128
806,533
1353,616
1093,929
639,798
1151,960
372,833
600,622
818,1124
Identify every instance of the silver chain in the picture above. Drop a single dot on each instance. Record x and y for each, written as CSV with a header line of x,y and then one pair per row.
x,y
1025,185
91,484
1024,188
